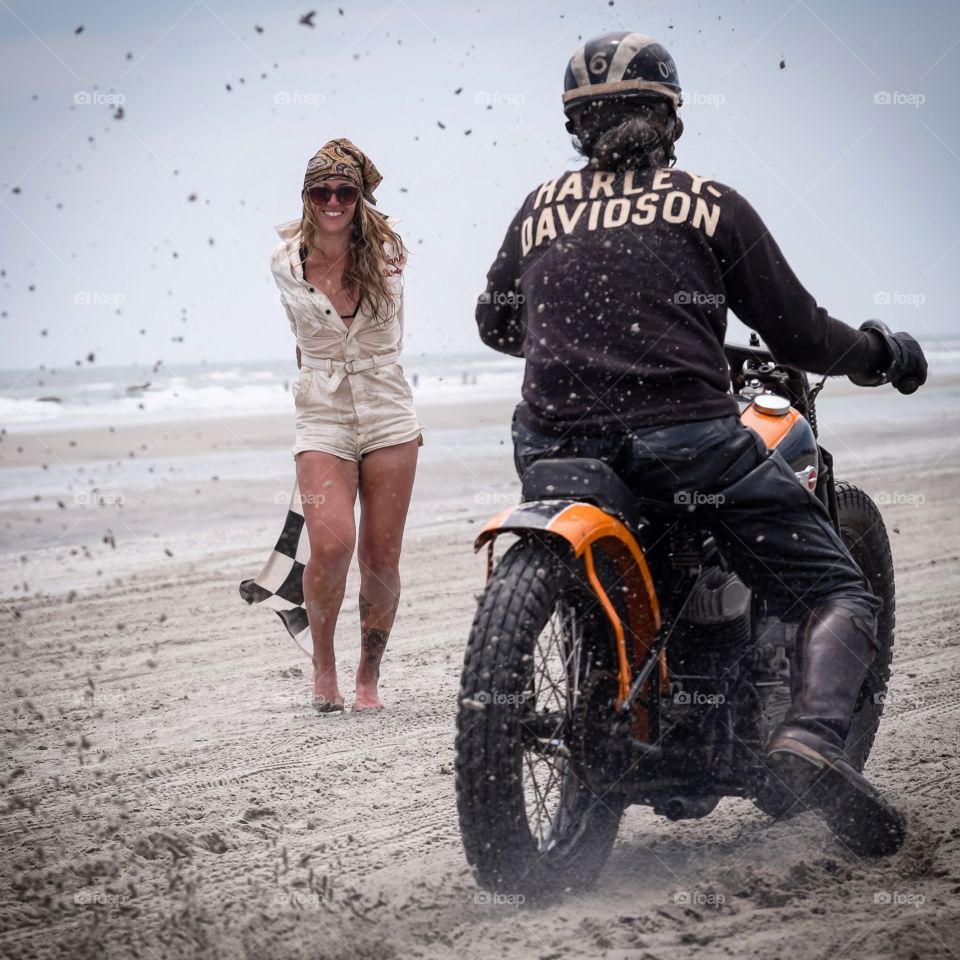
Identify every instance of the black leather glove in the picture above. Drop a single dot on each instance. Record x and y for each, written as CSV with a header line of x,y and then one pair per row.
x,y
905,366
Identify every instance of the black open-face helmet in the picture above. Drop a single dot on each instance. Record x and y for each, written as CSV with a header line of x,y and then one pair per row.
x,y
620,66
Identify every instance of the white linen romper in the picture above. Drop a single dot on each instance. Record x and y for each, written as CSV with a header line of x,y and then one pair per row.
x,y
351,395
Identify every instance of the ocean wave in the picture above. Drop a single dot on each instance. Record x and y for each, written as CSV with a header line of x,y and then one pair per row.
x,y
167,403
120,395
177,398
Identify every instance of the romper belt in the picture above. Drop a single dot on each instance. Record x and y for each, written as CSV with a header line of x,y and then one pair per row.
x,y
338,369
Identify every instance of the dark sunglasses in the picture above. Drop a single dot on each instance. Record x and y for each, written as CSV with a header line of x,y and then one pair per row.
x,y
345,195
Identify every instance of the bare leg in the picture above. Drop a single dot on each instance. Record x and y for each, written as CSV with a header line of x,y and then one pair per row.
x,y
328,489
386,483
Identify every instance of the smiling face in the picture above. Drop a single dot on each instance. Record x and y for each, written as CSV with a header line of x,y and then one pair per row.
x,y
334,217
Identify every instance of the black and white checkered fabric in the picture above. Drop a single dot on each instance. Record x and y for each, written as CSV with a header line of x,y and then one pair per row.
x,y
279,585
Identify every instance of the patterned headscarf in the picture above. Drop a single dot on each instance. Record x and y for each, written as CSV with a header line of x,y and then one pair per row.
x,y
341,158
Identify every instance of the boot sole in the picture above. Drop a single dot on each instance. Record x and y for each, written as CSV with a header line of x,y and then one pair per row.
x,y
861,818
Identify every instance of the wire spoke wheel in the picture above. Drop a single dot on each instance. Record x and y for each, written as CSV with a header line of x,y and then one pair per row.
x,y
546,755
529,822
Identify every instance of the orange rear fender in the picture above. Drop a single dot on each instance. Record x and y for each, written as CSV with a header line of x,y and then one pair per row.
x,y
585,526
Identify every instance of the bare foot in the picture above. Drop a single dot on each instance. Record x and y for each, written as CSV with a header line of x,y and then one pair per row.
x,y
326,692
323,705
367,698
372,643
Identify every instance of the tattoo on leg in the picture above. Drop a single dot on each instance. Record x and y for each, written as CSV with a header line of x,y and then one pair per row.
x,y
364,608
373,642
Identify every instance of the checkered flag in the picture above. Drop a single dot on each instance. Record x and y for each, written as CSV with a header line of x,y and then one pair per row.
x,y
279,585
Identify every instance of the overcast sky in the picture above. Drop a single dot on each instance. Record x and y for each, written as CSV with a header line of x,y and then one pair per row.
x,y
850,152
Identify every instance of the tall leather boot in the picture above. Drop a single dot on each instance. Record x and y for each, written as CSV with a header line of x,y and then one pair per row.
x,y
805,754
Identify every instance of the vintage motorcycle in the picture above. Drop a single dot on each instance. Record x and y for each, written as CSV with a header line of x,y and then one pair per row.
x,y
614,659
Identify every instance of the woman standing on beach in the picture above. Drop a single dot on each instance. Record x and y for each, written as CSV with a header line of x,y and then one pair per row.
x,y
339,270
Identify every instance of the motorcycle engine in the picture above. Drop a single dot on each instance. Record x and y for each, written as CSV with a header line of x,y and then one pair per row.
x,y
724,653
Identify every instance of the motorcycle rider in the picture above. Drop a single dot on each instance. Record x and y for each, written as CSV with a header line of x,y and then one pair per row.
x,y
613,282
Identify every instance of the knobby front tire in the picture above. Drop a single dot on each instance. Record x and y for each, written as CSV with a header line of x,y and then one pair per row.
x,y
530,824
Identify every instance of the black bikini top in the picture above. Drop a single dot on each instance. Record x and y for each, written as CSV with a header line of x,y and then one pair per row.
x,y
303,260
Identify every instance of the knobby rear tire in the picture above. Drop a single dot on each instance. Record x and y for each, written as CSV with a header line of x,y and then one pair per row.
x,y
863,531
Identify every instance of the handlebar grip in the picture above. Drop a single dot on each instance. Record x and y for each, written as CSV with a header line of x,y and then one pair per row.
x,y
908,385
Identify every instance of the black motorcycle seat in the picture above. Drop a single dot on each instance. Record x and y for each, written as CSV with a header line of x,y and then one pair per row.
x,y
590,480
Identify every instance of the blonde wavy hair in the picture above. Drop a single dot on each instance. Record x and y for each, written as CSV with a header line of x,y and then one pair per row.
x,y
375,254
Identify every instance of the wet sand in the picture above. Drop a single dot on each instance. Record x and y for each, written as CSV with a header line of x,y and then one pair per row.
x,y
168,792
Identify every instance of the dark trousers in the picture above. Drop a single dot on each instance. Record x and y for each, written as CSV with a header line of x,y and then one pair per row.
x,y
775,534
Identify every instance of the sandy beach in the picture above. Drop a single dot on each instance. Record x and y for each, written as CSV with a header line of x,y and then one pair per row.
x,y
168,792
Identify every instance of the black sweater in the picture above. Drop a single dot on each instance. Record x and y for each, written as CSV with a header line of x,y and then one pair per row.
x,y
615,289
